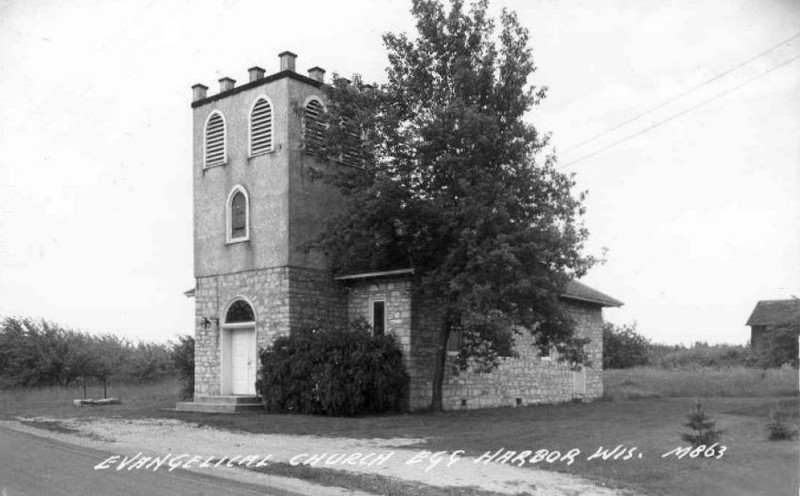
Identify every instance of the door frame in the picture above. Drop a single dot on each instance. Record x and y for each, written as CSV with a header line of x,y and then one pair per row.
x,y
226,360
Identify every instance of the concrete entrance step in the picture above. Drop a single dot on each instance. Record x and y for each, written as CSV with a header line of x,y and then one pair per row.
x,y
221,404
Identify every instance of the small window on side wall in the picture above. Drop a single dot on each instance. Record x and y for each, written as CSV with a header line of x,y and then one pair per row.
x,y
238,215
546,354
378,317
454,341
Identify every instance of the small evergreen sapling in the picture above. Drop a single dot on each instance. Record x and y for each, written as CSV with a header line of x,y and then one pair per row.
x,y
780,426
704,428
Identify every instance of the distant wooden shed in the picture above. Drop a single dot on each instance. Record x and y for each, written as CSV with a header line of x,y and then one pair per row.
x,y
769,315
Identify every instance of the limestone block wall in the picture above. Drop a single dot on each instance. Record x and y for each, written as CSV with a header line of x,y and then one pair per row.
x,y
397,295
526,379
283,298
315,299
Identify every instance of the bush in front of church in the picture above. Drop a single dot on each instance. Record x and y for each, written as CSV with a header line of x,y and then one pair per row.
x,y
336,372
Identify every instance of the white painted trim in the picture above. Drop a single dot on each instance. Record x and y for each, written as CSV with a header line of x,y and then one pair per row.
x,y
225,385
372,302
224,139
303,120
229,215
250,126
228,307
368,275
317,98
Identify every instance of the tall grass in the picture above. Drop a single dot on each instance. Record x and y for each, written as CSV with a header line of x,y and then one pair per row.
x,y
650,382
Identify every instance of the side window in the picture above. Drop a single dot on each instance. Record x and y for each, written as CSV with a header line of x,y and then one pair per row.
x,y
238,215
379,317
261,127
214,153
312,125
454,341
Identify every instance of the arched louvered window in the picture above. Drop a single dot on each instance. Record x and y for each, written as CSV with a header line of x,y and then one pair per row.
x,y
351,154
238,214
312,125
215,140
261,127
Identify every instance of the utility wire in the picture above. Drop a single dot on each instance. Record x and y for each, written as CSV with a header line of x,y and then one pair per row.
x,y
677,97
675,116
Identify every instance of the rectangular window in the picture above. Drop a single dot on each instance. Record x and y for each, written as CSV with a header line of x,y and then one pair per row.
x,y
379,317
454,342
546,354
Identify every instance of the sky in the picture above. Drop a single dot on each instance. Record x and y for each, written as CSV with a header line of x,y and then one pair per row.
x,y
679,118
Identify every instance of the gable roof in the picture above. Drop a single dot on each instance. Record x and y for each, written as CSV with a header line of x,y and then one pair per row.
x,y
578,291
574,291
774,312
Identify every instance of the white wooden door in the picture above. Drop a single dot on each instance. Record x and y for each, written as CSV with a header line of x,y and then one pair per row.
x,y
243,377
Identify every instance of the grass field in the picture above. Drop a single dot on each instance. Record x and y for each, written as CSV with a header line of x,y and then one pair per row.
x,y
651,382
751,465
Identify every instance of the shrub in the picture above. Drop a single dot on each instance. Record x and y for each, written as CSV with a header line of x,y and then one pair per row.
x,y
781,426
780,348
704,428
623,347
183,360
332,372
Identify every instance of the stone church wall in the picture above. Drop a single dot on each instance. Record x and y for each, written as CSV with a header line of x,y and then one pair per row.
x,y
283,298
528,378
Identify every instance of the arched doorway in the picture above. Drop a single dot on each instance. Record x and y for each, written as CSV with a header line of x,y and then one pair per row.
x,y
239,349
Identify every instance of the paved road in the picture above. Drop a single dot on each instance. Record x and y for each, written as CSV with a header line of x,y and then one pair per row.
x,y
37,466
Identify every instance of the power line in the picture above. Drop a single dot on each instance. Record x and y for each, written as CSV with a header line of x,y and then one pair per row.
x,y
675,116
677,97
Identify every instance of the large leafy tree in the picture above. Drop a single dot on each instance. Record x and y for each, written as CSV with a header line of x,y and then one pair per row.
x,y
451,183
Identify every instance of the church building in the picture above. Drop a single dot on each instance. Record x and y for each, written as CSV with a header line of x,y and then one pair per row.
x,y
256,206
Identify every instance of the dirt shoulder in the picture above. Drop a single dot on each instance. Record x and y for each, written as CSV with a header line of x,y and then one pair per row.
x,y
226,453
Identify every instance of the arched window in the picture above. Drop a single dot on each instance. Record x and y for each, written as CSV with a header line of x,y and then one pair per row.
x,y
351,153
238,214
261,127
312,125
215,140
239,312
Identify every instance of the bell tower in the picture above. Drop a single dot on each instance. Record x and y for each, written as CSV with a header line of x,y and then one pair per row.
x,y
256,207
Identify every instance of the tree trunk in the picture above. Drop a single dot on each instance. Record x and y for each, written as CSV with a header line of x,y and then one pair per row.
x,y
438,369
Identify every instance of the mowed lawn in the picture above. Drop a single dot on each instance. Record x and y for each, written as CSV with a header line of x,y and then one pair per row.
x,y
751,465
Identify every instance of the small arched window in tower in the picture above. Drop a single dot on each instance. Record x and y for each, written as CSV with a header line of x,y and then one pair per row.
x,y
261,127
238,215
312,125
215,140
239,312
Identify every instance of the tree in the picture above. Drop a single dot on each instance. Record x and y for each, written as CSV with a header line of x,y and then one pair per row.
x,y
623,347
704,428
183,360
451,184
779,347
